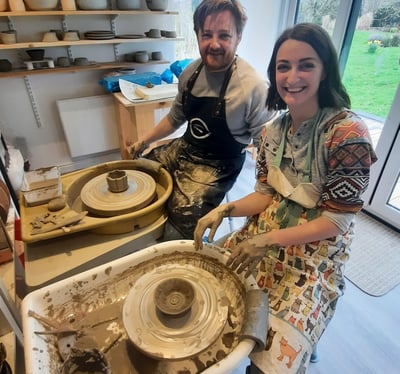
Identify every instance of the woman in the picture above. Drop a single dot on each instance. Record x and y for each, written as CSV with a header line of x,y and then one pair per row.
x,y
313,166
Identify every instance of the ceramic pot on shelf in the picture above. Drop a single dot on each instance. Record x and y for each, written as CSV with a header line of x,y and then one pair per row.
x,y
92,4
5,65
157,5
128,4
41,4
3,5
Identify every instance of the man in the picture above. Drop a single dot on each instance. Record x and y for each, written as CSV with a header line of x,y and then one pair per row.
x,y
222,99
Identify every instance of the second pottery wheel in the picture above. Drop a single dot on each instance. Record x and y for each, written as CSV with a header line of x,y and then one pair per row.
x,y
164,336
98,199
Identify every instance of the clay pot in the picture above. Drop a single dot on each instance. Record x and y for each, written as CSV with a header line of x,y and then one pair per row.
x,y
41,4
5,65
81,61
153,33
3,5
9,37
35,54
63,61
157,55
92,4
141,56
128,4
159,5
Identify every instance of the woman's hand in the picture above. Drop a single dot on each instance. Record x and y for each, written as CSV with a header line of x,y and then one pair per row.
x,y
211,220
247,254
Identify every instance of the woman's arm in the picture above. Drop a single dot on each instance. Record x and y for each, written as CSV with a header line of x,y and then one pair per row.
x,y
318,229
249,205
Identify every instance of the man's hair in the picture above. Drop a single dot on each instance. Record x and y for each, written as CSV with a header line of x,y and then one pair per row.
x,y
207,7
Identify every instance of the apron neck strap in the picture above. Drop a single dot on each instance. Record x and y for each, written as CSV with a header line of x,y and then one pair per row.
x,y
279,154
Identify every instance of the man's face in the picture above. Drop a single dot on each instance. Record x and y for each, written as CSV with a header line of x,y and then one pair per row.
x,y
218,41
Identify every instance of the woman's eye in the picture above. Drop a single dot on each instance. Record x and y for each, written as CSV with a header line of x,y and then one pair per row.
x,y
307,66
282,67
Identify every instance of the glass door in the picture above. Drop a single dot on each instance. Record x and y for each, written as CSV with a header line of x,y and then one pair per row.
x,y
383,195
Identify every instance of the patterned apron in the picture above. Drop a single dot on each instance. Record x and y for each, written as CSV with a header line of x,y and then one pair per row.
x,y
205,162
304,282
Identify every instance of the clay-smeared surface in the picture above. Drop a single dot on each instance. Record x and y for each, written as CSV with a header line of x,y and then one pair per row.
x,y
97,313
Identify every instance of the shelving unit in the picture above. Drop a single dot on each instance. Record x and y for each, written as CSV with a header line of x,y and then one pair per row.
x,y
74,69
65,17
83,42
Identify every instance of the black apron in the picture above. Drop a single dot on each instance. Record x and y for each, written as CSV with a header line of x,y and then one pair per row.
x,y
204,163
207,128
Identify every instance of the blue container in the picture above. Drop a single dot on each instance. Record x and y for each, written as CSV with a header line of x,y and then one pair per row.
x,y
111,83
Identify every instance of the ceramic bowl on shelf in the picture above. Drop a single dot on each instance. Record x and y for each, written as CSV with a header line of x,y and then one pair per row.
x,y
141,56
128,4
158,5
153,33
92,4
3,5
41,4
81,61
156,55
5,65
8,37
35,54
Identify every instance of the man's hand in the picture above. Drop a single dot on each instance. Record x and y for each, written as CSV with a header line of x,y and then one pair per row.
x,y
211,220
247,255
136,149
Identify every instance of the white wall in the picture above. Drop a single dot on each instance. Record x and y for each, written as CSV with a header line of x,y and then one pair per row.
x,y
46,145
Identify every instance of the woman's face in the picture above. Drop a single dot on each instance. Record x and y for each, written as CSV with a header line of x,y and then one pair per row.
x,y
218,41
299,71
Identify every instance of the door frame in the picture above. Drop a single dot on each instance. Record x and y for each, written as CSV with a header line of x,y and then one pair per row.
x,y
385,172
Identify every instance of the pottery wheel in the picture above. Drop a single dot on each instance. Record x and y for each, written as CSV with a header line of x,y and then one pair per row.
x,y
164,336
98,199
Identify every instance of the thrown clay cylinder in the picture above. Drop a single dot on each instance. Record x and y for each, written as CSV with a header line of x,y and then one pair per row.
x,y
117,181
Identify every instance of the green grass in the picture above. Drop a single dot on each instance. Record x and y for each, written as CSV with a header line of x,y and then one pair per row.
x,y
371,79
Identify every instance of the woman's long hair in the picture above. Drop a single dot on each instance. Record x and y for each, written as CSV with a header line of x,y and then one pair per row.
x,y
331,92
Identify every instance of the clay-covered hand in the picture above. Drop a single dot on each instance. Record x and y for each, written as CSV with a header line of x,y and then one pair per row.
x,y
247,254
136,149
211,221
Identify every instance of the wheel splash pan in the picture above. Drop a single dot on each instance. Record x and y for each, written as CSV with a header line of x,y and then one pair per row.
x,y
72,184
100,293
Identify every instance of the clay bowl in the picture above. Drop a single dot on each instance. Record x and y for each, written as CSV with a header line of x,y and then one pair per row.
x,y
157,5
35,54
5,65
41,4
174,296
92,4
128,4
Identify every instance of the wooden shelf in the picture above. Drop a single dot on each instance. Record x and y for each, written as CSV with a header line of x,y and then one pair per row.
x,y
83,13
84,42
74,69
